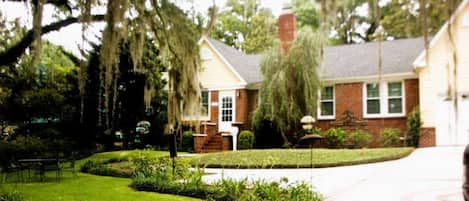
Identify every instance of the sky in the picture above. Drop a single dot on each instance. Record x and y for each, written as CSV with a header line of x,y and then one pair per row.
x,y
70,37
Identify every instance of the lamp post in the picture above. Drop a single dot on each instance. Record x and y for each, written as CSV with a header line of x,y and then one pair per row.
x,y
307,122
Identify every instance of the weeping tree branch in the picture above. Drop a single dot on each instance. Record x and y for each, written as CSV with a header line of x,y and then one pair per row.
x,y
12,54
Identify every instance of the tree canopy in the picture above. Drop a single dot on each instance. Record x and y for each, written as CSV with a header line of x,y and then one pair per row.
x,y
246,26
291,83
164,23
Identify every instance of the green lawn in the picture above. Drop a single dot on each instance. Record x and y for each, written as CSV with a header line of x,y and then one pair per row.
x,y
298,158
88,187
85,187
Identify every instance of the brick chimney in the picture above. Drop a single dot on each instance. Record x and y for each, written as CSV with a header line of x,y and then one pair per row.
x,y
286,27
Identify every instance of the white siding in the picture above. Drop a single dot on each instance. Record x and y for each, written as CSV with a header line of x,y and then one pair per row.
x,y
215,73
435,79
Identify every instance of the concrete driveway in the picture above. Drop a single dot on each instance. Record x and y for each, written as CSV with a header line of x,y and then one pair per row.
x,y
428,174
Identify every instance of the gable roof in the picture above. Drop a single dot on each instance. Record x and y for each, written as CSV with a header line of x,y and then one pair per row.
x,y
343,61
224,53
361,60
248,66
418,62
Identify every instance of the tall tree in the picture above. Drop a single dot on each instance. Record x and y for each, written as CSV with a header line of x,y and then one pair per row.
x,y
291,82
306,13
245,26
174,34
352,23
403,18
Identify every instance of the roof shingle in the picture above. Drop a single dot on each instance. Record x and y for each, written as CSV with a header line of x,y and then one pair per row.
x,y
343,61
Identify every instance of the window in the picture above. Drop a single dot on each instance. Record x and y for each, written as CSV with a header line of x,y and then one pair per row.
x,y
227,109
205,103
394,97
205,54
372,99
326,109
385,99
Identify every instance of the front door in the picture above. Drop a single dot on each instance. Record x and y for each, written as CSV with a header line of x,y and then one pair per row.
x,y
226,110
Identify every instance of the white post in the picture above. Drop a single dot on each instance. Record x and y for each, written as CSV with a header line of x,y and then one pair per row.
x,y
234,134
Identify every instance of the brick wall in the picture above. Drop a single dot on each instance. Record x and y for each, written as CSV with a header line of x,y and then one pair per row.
x,y
427,137
242,107
349,97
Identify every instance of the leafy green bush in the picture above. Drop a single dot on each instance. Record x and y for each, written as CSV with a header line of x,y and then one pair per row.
x,y
275,191
187,141
390,137
232,187
413,127
246,140
12,196
104,170
358,139
335,137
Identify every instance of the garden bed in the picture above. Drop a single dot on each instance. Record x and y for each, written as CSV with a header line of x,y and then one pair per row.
x,y
299,158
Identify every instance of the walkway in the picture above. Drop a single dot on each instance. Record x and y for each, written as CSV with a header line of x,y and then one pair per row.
x,y
428,174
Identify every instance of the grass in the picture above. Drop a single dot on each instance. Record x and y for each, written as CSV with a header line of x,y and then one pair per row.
x,y
90,187
298,158
85,187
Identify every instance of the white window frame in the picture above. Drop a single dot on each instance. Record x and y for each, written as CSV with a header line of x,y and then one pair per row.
x,y
206,117
384,100
326,117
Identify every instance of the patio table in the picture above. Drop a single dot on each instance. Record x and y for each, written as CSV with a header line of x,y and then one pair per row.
x,y
41,165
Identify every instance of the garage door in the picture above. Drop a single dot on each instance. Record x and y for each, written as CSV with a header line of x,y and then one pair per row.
x,y
444,123
463,121
448,132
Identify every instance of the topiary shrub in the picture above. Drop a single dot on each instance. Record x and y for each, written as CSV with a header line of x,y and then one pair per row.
x,y
335,137
413,127
187,141
358,139
246,140
390,137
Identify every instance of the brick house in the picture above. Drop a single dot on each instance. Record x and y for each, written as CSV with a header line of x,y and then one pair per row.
x,y
355,94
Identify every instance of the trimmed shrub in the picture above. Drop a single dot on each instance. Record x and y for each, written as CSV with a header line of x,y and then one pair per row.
x,y
389,137
358,139
187,141
246,140
104,170
413,127
335,137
